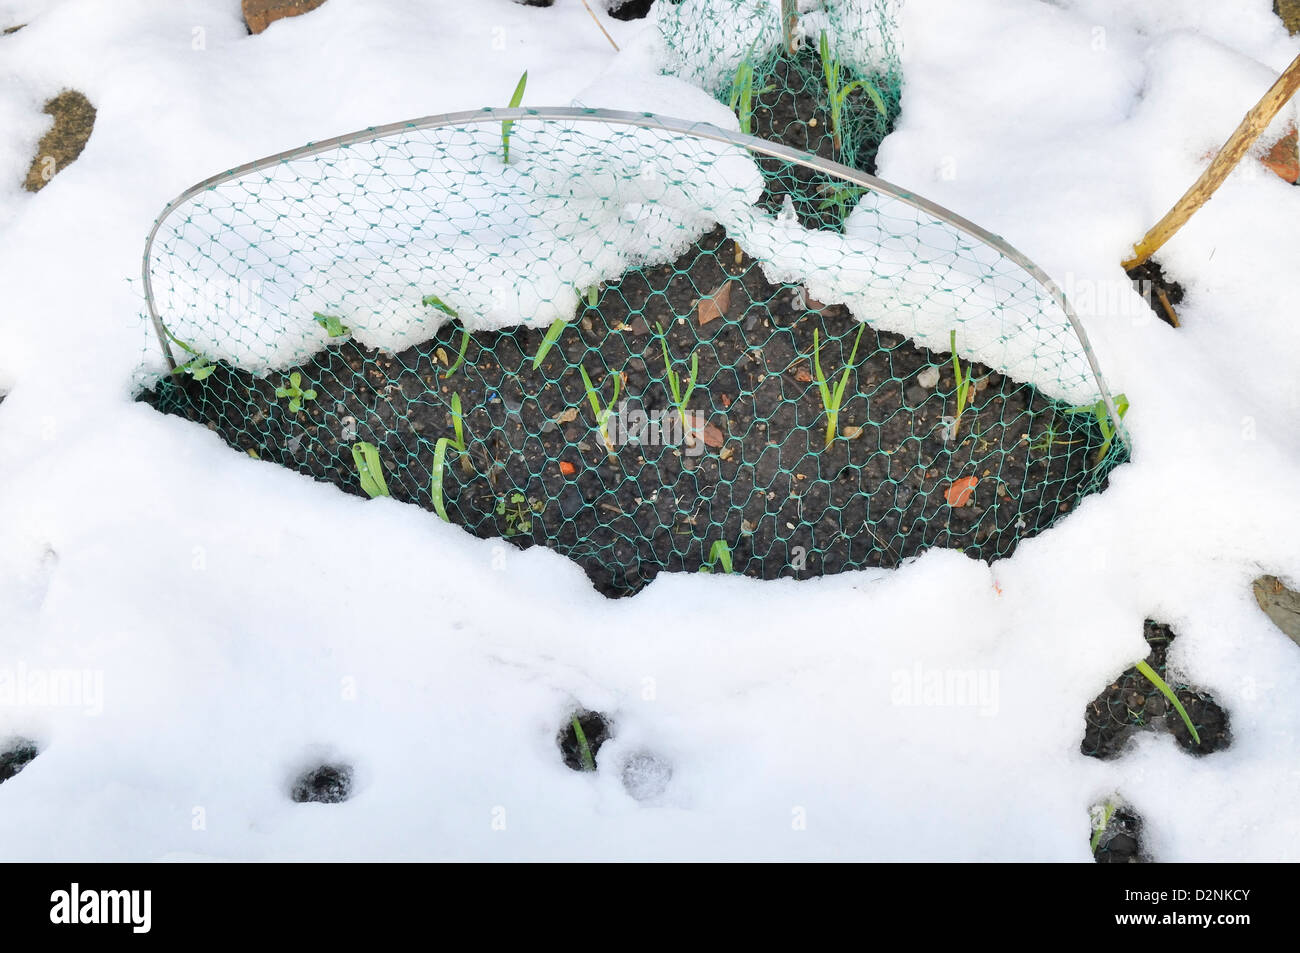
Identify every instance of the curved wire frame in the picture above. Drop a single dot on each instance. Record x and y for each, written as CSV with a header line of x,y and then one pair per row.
x,y
704,131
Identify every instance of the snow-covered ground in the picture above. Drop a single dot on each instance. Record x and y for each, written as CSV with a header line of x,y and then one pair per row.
x,y
235,622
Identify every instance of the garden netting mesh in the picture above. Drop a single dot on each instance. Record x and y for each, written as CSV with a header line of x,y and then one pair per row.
x,y
649,345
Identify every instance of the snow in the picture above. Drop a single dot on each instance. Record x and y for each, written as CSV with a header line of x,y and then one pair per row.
x,y
248,622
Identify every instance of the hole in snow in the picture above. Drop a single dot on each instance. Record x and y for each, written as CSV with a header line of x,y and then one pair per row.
x,y
326,784
595,729
15,756
629,9
1120,841
646,776
1132,703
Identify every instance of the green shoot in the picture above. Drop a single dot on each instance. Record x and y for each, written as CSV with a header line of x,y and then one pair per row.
x,y
198,366
552,335
440,457
602,413
518,511
1100,823
742,95
592,295
719,555
508,125
433,301
588,761
837,94
832,400
1163,686
1099,411
297,396
681,396
963,382
332,325
1048,439
365,456
460,358
841,198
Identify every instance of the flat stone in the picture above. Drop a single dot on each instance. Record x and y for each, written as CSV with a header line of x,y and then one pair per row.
x,y
74,118
1280,604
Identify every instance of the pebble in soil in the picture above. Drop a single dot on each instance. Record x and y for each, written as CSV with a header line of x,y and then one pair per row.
x,y
1121,840
15,756
536,470
1131,703
595,728
324,784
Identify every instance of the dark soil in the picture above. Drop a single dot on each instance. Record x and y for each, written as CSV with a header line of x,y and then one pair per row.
x,y
16,756
1150,281
327,784
1121,841
1131,703
596,729
74,118
537,470
12,29
630,9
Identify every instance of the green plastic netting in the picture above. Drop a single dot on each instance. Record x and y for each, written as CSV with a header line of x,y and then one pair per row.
x,y
792,76
373,312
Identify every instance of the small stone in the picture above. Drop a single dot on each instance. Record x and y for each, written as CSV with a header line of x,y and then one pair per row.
x,y
929,377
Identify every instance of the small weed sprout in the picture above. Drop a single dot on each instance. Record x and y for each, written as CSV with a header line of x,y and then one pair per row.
x,y
838,94
588,760
518,511
832,400
198,366
365,457
1049,438
508,125
440,449
460,356
297,396
681,396
1154,678
333,326
841,198
963,382
552,335
1098,410
602,413
719,557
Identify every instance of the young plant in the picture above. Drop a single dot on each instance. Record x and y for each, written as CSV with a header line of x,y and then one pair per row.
x,y
552,335
1048,439
460,357
841,198
742,95
198,366
332,325
440,457
1099,411
297,396
518,511
963,382
1154,678
602,413
584,749
832,400
837,94
681,395
365,456
719,555
508,124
